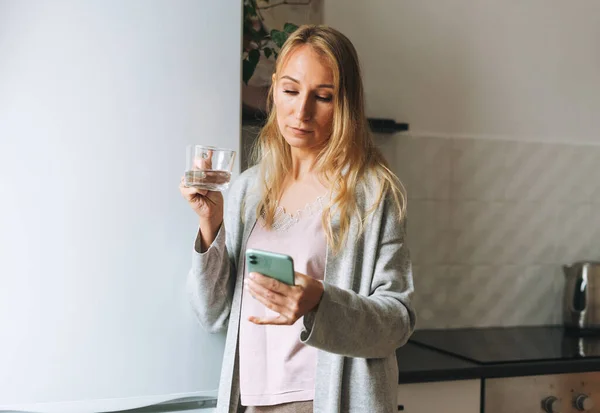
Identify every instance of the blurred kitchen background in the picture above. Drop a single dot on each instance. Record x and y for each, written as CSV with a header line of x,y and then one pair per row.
x,y
501,159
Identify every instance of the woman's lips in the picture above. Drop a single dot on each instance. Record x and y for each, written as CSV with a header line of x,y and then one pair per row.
x,y
299,131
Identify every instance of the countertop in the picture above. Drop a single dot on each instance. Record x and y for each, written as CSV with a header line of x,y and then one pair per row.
x,y
420,364
459,354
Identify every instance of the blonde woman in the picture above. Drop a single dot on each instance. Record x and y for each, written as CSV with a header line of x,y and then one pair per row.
x,y
322,193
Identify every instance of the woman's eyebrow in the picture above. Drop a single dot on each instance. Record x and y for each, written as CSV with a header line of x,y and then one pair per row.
x,y
323,85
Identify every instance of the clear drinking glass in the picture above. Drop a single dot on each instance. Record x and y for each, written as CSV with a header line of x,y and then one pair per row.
x,y
208,167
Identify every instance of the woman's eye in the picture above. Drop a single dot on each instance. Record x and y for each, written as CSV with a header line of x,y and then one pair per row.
x,y
318,97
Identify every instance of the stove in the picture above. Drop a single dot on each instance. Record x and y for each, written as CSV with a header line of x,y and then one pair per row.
x,y
511,344
550,393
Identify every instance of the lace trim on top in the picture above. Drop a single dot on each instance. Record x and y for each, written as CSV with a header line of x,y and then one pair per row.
x,y
282,221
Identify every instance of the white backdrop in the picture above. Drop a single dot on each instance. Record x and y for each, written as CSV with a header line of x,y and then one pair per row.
x,y
97,102
510,70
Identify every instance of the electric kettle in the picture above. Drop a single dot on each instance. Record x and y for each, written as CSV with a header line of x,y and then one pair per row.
x,y
581,305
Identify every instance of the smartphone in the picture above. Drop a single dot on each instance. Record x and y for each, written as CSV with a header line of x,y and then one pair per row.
x,y
271,264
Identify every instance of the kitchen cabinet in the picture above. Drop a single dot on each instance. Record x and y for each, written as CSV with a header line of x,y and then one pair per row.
x,y
460,396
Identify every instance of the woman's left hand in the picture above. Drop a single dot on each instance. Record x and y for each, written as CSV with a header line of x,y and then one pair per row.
x,y
290,301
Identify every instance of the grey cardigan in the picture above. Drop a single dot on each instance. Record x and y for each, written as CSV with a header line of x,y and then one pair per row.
x,y
364,315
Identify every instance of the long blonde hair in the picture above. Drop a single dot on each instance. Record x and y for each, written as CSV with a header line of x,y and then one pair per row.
x,y
350,151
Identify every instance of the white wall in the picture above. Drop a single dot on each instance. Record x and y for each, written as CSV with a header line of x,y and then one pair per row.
x,y
491,219
518,70
98,100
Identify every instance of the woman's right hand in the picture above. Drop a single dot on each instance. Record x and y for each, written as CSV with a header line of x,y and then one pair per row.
x,y
207,204
209,207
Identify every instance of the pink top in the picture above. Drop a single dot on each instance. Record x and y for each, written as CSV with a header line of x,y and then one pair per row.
x,y
275,367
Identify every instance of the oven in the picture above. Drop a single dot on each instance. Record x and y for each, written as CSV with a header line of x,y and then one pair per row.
x,y
534,369
552,393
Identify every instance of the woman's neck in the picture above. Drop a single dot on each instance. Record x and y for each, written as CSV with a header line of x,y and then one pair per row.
x,y
303,164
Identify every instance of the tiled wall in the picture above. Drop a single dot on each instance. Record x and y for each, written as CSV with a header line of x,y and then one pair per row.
x,y
490,224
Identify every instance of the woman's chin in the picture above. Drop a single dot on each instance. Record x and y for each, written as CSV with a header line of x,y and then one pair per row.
x,y
297,142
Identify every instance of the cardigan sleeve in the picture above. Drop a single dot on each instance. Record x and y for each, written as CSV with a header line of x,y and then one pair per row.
x,y
210,284
373,326
211,279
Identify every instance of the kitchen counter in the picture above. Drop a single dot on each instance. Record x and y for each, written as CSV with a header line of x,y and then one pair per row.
x,y
458,354
420,364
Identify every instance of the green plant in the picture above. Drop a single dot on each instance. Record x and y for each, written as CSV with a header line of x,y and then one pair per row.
x,y
257,41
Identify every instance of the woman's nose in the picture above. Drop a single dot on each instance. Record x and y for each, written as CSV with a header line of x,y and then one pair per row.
x,y
304,110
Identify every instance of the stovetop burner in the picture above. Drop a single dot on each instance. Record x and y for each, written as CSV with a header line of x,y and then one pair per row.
x,y
511,344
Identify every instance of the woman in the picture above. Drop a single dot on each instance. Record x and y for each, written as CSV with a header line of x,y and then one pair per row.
x,y
326,344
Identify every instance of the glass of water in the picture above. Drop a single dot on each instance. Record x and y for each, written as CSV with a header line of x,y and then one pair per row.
x,y
208,167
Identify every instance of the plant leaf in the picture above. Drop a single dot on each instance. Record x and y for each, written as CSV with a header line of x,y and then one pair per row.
x,y
248,68
254,56
249,10
278,37
254,35
289,28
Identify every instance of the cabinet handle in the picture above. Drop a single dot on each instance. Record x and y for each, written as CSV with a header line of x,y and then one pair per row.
x,y
400,407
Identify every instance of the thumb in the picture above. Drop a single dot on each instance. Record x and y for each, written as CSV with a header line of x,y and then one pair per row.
x,y
301,279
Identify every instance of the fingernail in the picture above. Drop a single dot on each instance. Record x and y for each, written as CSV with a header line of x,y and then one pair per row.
x,y
251,275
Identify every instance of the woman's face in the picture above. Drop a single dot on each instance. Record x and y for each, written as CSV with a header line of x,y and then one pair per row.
x,y
303,98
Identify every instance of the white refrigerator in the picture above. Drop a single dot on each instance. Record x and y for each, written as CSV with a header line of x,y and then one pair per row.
x,y
98,100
